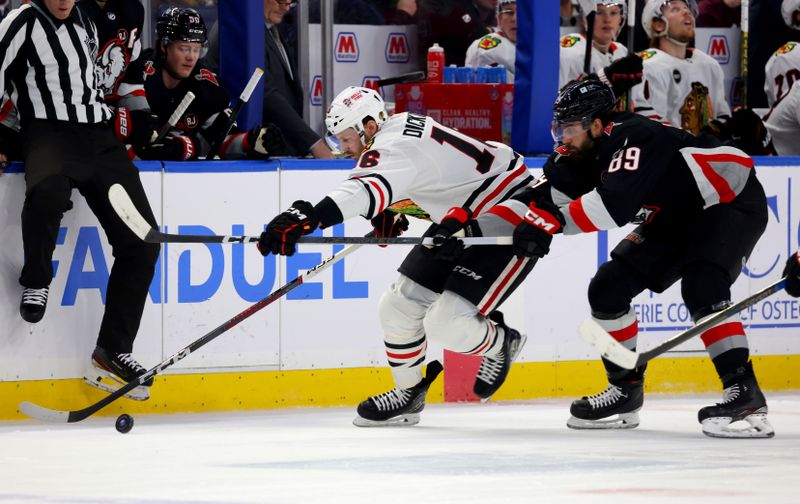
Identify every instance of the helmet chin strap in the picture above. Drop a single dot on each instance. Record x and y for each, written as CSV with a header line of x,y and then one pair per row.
x,y
665,35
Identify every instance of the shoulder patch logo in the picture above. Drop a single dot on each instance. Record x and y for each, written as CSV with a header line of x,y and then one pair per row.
x,y
787,47
569,40
149,69
207,75
489,42
646,55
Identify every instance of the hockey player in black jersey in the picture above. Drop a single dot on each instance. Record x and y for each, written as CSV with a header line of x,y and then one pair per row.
x,y
170,71
700,211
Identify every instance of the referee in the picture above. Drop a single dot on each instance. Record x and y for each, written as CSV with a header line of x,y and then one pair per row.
x,y
47,67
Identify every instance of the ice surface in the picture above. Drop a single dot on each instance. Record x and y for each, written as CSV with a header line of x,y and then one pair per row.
x,y
459,453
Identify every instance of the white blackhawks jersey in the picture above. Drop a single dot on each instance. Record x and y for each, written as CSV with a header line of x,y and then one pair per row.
x,y
685,93
573,52
782,70
783,122
493,49
414,157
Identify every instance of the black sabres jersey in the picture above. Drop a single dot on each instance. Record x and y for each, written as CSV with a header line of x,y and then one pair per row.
x,y
208,113
118,64
643,171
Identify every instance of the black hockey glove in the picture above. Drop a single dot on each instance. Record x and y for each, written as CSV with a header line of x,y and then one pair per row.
x,y
744,129
622,74
285,230
456,223
264,141
389,224
532,237
792,274
172,148
134,127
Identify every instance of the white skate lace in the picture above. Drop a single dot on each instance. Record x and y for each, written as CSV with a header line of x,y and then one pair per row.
x,y
491,367
35,296
130,362
394,399
606,398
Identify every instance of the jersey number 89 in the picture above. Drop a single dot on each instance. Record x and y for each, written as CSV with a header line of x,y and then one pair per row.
x,y
627,159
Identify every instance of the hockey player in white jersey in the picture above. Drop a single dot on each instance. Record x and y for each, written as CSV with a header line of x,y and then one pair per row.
x,y
607,25
783,122
783,67
446,293
499,48
682,86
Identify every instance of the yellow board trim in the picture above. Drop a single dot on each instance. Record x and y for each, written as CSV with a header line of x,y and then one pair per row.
x,y
340,387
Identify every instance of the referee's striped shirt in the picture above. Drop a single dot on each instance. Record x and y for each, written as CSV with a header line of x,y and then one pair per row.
x,y
47,65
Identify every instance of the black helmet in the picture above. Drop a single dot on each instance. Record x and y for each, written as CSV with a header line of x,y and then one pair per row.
x,y
583,101
179,24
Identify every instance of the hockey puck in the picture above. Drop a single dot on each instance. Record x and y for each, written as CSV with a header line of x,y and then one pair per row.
x,y
124,423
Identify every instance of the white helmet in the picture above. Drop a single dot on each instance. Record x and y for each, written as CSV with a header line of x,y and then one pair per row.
x,y
351,107
501,4
788,8
653,9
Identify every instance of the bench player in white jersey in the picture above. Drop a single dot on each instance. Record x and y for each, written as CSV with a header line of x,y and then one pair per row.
x,y
783,122
682,86
446,293
499,48
783,67
607,25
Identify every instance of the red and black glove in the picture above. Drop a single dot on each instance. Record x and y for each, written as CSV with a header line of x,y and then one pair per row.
x,y
457,222
792,274
389,224
532,237
622,74
135,127
285,230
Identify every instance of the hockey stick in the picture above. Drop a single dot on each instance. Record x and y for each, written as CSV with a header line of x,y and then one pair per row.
x,y
243,99
589,8
745,22
58,416
614,351
407,77
631,35
175,117
130,215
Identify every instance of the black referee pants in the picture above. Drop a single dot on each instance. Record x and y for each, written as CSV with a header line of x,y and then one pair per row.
x,y
60,156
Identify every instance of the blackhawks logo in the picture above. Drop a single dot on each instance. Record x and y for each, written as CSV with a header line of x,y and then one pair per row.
x,y
787,47
570,40
646,55
489,42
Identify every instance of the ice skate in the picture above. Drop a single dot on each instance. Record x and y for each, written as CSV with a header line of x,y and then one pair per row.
x,y
109,372
494,370
617,407
397,407
33,304
741,401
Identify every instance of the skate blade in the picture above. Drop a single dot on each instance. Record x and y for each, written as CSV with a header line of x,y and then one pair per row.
x,y
720,427
103,380
406,420
522,340
622,421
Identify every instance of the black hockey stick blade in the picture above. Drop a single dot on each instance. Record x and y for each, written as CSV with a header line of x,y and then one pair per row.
x,y
57,416
399,79
127,211
614,351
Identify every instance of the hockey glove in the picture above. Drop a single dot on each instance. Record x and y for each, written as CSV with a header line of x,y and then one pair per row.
x,y
285,230
389,224
456,223
622,74
264,141
172,148
745,130
532,237
134,127
792,274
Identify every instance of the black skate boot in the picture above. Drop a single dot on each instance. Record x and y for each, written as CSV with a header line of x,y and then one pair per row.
x,y
741,400
494,369
109,371
398,406
617,407
33,304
